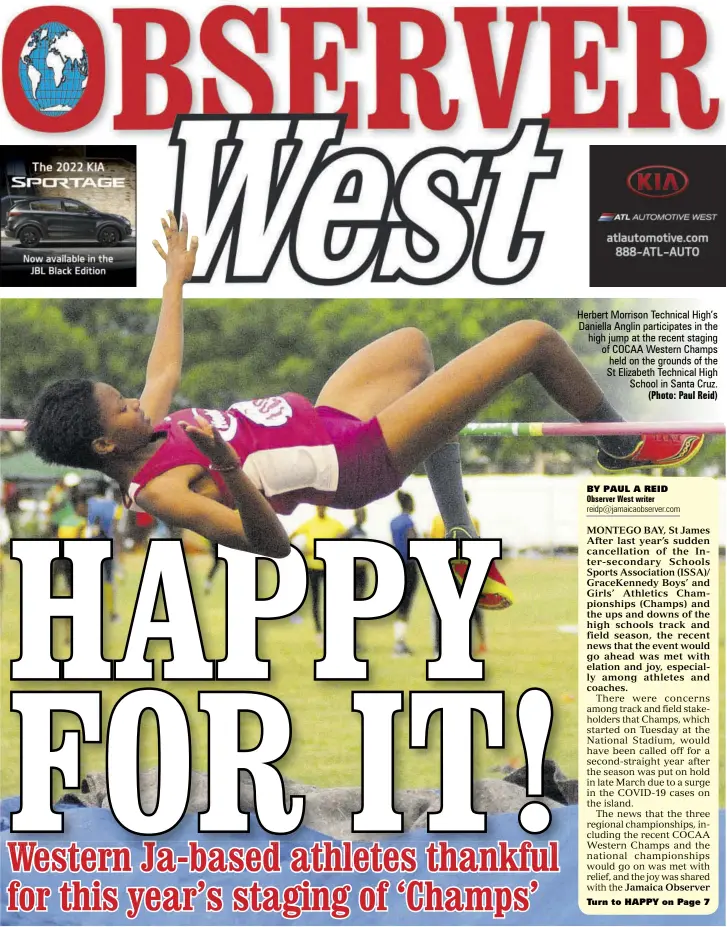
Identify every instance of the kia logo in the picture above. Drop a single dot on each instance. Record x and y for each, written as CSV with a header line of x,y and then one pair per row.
x,y
657,181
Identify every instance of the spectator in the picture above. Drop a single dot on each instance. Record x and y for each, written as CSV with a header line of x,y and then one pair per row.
x,y
437,531
58,501
103,516
320,527
67,519
357,533
403,530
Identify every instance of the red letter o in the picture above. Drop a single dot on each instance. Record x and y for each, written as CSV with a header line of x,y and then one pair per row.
x,y
88,106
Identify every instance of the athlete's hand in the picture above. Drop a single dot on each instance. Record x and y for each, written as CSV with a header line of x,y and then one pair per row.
x,y
179,257
208,440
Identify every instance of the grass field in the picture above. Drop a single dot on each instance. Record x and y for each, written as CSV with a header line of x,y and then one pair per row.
x,y
525,648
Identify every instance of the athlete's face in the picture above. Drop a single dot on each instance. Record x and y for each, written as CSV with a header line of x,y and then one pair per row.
x,y
125,427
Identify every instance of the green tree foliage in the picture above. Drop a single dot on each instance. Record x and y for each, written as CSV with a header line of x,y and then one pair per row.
x,y
38,341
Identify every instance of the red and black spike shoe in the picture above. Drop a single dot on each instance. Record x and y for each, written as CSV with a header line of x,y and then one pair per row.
x,y
655,451
495,593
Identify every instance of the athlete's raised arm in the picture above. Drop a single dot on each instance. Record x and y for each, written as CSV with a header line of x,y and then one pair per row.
x,y
164,367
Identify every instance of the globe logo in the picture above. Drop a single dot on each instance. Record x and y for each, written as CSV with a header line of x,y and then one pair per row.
x,y
53,69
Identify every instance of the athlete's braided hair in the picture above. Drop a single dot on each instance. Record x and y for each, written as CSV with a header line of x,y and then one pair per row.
x,y
63,422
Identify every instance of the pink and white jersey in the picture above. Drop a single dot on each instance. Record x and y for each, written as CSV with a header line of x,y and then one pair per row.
x,y
282,443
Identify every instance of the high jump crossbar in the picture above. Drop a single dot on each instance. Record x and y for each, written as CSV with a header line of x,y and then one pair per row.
x,y
588,429
541,429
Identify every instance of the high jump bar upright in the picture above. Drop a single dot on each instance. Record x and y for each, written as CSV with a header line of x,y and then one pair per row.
x,y
541,429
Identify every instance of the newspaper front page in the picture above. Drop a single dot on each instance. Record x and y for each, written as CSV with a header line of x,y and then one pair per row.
x,y
362,463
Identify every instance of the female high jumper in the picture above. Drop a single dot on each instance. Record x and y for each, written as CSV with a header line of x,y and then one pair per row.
x,y
225,474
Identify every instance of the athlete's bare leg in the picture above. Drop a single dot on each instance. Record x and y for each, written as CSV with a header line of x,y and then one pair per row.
x,y
377,375
435,411
380,374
